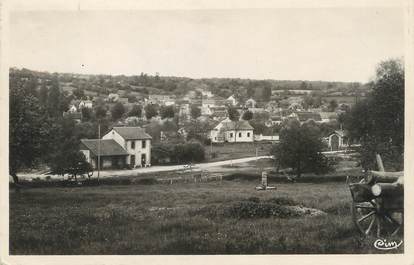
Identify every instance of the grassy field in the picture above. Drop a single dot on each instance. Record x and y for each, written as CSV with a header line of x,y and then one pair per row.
x,y
191,218
226,151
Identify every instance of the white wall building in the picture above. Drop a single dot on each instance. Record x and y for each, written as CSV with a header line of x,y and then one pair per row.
x,y
232,100
135,141
232,131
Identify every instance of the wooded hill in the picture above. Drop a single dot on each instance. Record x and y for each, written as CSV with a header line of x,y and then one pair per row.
x,y
144,84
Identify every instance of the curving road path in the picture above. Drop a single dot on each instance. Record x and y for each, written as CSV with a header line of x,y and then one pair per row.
x,y
196,167
153,169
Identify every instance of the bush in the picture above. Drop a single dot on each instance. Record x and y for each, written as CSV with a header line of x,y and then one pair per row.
x,y
179,153
207,141
253,209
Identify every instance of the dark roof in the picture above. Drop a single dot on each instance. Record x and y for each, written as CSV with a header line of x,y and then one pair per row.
x,y
108,147
341,133
239,125
132,133
304,116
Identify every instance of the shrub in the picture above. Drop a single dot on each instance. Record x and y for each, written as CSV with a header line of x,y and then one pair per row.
x,y
179,153
250,209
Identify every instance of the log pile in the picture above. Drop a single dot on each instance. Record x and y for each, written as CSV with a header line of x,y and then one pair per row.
x,y
387,185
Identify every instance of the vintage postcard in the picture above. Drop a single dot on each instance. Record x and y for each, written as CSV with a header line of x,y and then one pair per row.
x,y
150,132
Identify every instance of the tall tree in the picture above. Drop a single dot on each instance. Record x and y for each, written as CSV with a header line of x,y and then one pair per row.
x,y
79,93
300,148
54,98
234,115
86,114
333,104
195,111
378,121
135,111
100,112
266,93
43,94
167,112
117,111
151,110
26,128
247,115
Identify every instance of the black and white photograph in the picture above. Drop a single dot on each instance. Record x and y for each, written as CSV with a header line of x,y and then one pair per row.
x,y
206,131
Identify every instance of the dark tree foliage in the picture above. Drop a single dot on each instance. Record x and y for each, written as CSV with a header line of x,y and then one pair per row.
x,y
266,93
87,114
333,104
79,93
135,111
117,111
132,99
300,148
234,115
378,121
167,112
27,130
258,126
72,162
151,110
195,111
247,115
54,99
100,112
179,153
43,94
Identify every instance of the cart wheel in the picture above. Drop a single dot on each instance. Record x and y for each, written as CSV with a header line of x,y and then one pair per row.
x,y
370,219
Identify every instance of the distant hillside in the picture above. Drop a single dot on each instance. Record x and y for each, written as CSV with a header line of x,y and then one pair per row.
x,y
144,84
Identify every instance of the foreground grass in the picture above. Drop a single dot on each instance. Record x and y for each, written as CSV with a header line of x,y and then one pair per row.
x,y
179,219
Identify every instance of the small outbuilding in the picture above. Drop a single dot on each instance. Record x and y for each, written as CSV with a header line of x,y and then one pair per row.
x,y
337,140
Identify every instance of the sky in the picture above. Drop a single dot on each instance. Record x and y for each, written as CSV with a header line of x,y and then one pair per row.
x,y
331,44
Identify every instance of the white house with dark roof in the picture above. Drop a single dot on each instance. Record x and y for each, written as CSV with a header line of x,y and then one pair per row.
x,y
135,141
232,131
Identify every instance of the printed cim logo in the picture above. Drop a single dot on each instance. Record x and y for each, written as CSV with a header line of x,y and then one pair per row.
x,y
382,244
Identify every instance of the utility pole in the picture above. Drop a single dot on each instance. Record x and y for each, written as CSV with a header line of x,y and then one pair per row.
x,y
99,149
211,147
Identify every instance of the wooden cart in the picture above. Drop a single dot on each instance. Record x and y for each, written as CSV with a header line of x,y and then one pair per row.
x,y
378,203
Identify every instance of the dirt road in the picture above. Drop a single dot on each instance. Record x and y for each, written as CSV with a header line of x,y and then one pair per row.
x,y
138,171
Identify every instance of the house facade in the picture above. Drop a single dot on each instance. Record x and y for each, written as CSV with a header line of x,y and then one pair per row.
x,y
232,131
337,140
135,142
250,103
85,104
119,148
232,100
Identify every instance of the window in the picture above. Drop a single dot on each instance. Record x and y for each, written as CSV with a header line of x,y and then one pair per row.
x,y
144,144
240,134
133,145
248,134
231,135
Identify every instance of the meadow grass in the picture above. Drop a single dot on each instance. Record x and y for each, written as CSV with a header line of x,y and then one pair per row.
x,y
181,219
